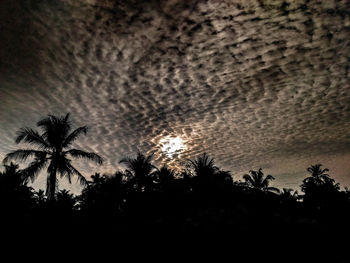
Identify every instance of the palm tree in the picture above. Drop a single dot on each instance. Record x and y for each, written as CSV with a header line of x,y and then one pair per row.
x,y
164,176
66,201
319,182
52,150
288,194
203,166
140,169
257,180
208,177
318,175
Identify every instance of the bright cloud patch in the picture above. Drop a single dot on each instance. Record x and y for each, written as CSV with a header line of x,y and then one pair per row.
x,y
172,145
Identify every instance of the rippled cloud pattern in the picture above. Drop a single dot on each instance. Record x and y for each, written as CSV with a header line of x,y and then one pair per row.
x,y
253,83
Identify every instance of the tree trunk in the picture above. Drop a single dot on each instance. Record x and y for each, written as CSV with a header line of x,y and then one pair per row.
x,y
51,186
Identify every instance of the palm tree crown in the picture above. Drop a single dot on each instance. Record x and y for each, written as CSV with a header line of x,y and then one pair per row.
x,y
140,169
203,166
319,181
52,151
257,180
164,176
318,175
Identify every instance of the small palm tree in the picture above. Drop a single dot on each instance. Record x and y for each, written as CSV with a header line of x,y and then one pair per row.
x,y
164,176
66,200
203,166
288,194
52,150
257,180
208,178
318,175
140,169
319,182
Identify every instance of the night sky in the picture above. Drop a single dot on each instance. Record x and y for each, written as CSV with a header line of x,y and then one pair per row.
x,y
252,83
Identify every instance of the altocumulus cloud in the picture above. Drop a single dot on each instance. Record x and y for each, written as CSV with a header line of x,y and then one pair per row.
x,y
253,83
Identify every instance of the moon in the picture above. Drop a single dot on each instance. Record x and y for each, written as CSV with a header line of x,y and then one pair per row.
x,y
172,145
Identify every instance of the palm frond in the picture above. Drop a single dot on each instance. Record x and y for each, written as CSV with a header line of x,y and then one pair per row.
x,y
257,177
203,165
73,135
51,120
269,177
130,164
248,179
33,169
267,180
81,179
23,154
31,136
272,189
85,155
62,166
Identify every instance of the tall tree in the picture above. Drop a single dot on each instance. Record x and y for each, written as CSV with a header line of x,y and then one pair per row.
x,y
257,180
52,150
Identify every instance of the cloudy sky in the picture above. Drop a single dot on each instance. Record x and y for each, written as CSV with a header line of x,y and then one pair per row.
x,y
253,83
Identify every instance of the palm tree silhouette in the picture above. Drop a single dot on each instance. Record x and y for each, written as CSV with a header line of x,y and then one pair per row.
x,y
288,194
318,175
257,180
319,185
164,176
53,149
203,166
140,170
208,178
66,200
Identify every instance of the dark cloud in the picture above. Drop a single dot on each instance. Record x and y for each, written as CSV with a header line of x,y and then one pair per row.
x,y
254,83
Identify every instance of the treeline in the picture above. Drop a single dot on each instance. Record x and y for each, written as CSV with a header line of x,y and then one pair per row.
x,y
201,198
144,201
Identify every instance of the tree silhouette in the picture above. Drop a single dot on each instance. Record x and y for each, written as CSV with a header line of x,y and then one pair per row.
x,y
104,193
257,180
66,200
318,179
319,187
12,177
139,170
203,166
318,176
164,177
52,150
16,198
288,194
